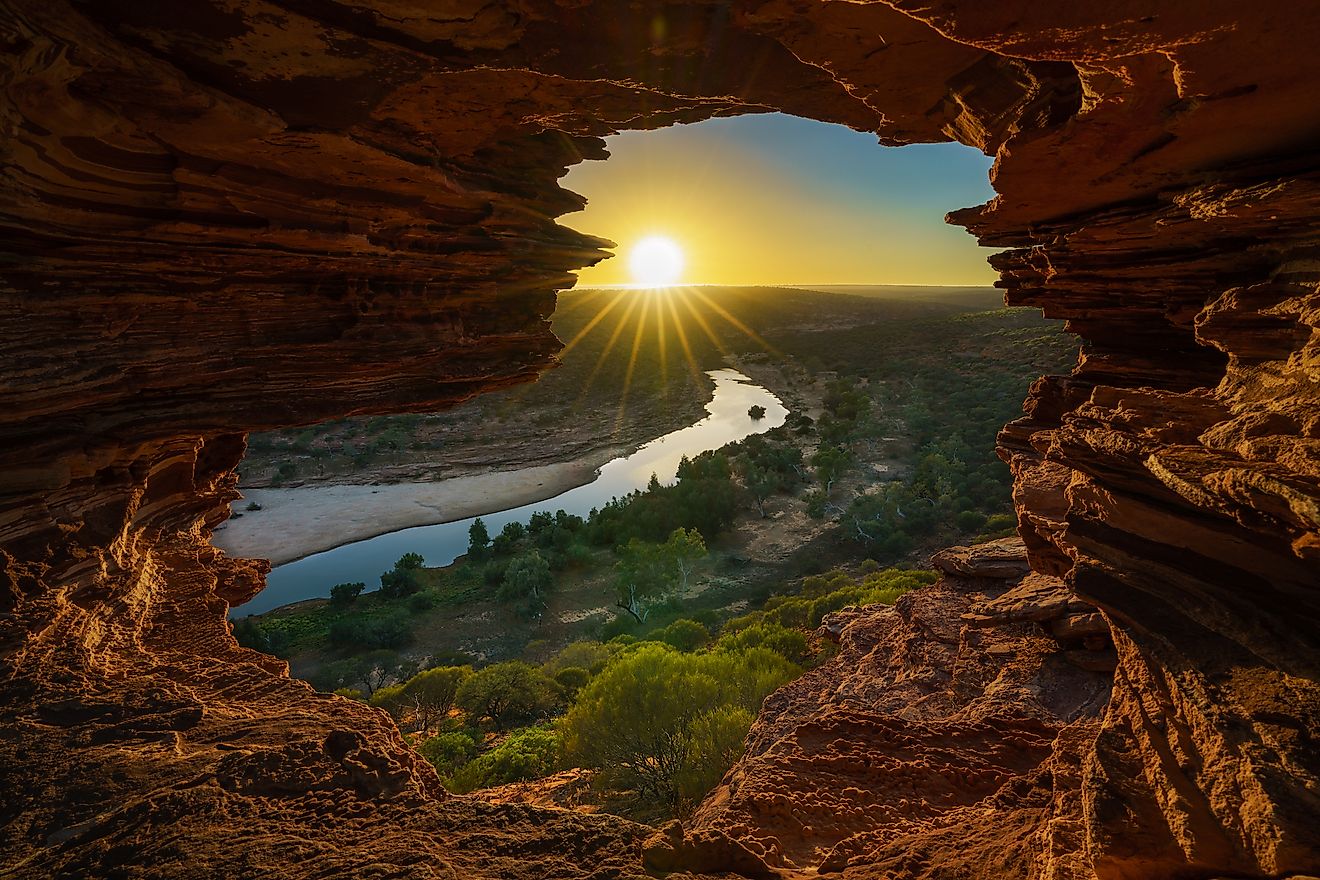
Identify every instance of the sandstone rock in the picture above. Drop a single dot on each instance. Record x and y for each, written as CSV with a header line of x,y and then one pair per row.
x,y
1005,558
222,217
1037,597
884,758
702,851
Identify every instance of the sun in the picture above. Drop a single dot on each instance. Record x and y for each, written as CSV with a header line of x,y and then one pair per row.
x,y
655,261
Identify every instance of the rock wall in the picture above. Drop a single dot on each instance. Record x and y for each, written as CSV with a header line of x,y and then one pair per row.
x,y
230,215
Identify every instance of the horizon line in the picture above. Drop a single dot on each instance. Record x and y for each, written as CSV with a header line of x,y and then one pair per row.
x,y
767,284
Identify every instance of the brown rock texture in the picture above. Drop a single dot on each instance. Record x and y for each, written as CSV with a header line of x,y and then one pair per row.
x,y
924,748
229,215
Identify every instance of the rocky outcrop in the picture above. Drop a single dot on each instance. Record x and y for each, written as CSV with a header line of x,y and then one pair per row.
x,y
887,760
225,216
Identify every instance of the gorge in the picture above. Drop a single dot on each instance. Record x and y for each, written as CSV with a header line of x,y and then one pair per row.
x,y
237,215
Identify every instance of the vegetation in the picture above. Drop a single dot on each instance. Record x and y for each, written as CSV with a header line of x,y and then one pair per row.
x,y
660,719
668,723
507,693
895,459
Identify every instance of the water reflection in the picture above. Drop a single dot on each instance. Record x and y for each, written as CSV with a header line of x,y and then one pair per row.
x,y
727,421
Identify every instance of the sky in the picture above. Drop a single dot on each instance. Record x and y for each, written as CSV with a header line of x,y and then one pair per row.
x,y
775,199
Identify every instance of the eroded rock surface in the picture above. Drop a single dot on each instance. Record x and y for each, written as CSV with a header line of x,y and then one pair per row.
x,y
229,215
888,759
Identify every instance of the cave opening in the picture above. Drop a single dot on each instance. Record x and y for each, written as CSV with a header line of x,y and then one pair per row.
x,y
226,221
820,333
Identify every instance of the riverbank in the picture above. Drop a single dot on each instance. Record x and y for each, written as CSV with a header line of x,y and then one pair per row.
x,y
295,523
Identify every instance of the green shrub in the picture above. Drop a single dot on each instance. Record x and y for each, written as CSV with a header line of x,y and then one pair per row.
x,y
422,602
585,654
526,754
659,721
683,634
361,634
448,751
790,644
570,680
969,520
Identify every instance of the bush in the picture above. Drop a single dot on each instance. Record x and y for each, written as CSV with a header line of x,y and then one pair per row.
x,y
787,643
525,754
409,562
586,654
570,680
357,634
420,602
390,699
429,695
527,581
493,573
657,720
266,639
448,751
507,693
685,635
399,582
969,520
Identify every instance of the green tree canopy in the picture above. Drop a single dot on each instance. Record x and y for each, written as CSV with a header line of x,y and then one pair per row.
x,y
527,580
506,693
643,575
429,695
660,721
342,595
478,540
683,548
530,753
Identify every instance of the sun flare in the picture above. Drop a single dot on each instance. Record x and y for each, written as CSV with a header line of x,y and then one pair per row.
x,y
655,261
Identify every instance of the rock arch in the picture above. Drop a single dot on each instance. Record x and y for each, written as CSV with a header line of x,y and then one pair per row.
x,y
228,216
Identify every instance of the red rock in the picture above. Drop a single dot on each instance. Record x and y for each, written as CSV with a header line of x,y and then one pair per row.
x,y
1005,558
227,217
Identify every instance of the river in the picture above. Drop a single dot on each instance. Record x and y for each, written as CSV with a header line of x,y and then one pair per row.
x,y
726,421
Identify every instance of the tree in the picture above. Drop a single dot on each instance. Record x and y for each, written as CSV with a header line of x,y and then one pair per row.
x,y
643,574
762,484
404,579
661,722
829,462
527,579
684,548
506,693
429,695
756,413
478,540
343,595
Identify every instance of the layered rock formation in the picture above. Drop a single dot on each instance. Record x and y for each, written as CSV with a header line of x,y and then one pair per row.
x,y
890,759
236,214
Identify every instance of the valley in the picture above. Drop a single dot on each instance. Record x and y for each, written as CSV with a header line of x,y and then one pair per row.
x,y
872,429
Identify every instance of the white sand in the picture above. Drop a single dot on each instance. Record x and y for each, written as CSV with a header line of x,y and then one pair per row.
x,y
294,523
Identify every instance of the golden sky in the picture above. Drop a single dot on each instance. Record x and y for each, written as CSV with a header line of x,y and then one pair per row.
x,y
775,199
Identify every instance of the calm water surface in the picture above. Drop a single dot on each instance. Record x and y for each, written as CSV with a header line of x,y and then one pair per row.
x,y
726,421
